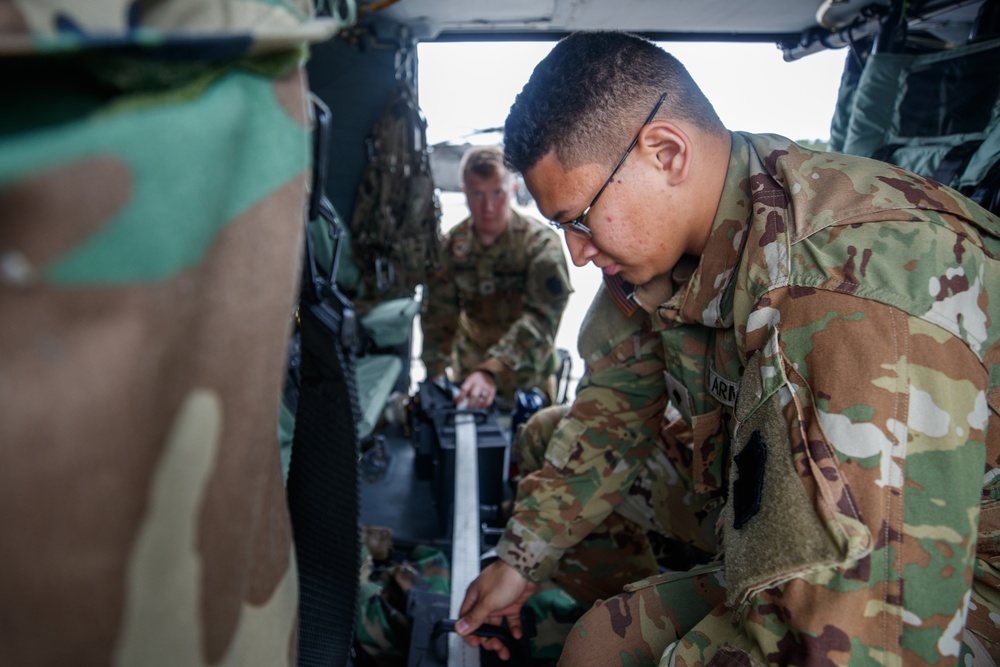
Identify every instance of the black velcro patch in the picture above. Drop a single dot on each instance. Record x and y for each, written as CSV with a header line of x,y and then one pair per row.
x,y
749,485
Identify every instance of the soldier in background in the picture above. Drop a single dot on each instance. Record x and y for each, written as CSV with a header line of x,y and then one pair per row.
x,y
492,311
851,313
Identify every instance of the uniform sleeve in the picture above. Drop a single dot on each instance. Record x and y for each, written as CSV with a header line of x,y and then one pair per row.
x,y
856,471
439,319
528,343
591,460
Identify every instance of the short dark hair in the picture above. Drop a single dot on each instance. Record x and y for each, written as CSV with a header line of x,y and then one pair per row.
x,y
586,98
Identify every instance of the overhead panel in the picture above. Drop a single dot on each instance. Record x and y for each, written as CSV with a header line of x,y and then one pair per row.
x,y
429,18
705,16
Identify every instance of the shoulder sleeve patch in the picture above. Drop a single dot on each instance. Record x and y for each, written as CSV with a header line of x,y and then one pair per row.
x,y
771,531
749,482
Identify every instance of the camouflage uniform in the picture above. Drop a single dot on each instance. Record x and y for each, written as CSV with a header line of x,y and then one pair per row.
x,y
497,307
154,161
853,357
383,628
597,476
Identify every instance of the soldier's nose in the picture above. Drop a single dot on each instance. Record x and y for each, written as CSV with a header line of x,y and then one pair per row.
x,y
581,249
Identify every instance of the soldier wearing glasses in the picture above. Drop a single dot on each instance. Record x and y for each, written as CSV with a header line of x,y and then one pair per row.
x,y
844,390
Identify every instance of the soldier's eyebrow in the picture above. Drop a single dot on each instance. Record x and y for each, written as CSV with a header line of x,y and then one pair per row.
x,y
559,215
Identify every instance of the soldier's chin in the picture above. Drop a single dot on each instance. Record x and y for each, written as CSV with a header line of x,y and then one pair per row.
x,y
634,275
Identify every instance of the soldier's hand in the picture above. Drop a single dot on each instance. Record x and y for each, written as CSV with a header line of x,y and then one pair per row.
x,y
479,388
497,593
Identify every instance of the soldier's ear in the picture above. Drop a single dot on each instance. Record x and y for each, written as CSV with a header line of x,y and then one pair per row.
x,y
668,147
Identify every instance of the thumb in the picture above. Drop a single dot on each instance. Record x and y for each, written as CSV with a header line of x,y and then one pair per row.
x,y
472,619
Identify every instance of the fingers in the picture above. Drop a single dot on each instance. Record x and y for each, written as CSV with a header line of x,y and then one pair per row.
x,y
514,623
496,594
497,646
471,620
471,640
478,389
490,644
476,617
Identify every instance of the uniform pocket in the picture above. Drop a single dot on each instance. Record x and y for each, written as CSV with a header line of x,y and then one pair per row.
x,y
563,442
706,449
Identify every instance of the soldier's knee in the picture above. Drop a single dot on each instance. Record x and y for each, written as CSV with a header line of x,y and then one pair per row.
x,y
609,634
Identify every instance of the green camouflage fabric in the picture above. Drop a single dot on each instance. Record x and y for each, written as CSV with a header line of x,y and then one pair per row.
x,y
602,473
497,308
633,628
151,220
854,356
383,629
556,612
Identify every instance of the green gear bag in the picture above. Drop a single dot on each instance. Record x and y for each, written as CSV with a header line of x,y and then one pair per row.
x,y
396,223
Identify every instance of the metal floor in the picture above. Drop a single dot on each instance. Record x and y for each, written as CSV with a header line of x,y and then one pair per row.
x,y
392,496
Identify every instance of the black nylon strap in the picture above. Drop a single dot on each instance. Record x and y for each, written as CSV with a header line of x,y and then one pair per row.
x,y
987,193
323,492
955,161
885,153
323,487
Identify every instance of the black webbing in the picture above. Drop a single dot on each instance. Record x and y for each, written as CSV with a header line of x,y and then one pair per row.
x,y
323,491
323,472
987,192
955,161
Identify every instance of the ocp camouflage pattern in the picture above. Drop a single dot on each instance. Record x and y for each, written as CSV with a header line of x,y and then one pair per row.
x,y
497,307
151,219
602,473
855,305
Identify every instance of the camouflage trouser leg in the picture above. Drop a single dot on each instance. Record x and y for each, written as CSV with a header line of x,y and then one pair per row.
x,y
383,628
635,627
555,614
615,553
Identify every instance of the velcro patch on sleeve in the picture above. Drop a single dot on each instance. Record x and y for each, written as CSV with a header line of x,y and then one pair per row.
x,y
771,530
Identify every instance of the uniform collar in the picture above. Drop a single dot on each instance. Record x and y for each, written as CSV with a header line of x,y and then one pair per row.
x,y
701,294
515,224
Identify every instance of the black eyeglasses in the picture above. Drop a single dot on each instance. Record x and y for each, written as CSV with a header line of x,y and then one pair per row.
x,y
576,226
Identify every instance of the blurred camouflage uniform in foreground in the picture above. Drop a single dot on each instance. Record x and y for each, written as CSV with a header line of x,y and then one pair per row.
x,y
497,307
154,162
852,348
